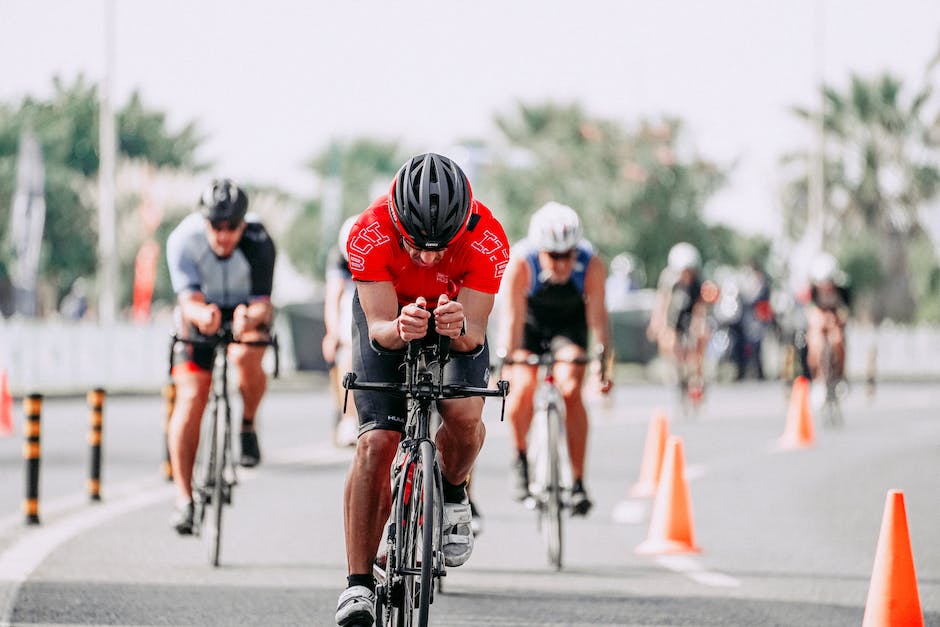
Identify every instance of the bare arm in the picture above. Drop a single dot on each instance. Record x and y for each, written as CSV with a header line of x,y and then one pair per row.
x,y
595,307
515,304
477,307
331,317
195,311
380,305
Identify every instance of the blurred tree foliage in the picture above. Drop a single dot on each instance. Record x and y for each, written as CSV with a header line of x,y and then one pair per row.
x,y
880,169
358,169
639,190
66,125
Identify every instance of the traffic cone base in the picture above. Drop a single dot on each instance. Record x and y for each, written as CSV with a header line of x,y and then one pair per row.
x,y
653,452
892,594
671,522
799,432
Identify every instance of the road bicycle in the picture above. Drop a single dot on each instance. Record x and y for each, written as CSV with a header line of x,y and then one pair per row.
x,y
548,461
414,559
214,475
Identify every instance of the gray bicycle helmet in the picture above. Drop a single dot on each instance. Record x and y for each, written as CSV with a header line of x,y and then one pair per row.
x,y
430,201
223,201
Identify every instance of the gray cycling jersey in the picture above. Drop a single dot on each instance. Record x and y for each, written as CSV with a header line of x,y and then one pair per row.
x,y
242,277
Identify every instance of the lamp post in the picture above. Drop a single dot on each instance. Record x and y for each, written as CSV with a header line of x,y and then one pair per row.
x,y
107,255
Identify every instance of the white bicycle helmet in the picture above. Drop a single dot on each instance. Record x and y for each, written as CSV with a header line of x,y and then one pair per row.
x,y
684,256
555,228
824,268
344,235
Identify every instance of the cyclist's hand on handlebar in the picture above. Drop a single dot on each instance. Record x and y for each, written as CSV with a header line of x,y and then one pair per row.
x,y
449,318
605,385
209,320
413,320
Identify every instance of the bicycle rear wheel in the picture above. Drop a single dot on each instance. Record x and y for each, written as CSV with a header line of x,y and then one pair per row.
x,y
551,511
214,536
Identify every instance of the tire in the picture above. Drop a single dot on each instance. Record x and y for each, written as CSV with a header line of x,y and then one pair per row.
x,y
202,471
426,531
552,510
220,454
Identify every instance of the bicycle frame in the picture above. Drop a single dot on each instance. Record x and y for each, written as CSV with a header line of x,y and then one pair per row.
x,y
214,474
551,481
405,583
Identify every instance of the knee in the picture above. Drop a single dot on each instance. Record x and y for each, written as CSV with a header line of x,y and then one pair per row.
x,y
246,358
375,450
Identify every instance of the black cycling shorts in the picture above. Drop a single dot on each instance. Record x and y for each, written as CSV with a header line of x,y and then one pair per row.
x,y
198,356
545,339
384,411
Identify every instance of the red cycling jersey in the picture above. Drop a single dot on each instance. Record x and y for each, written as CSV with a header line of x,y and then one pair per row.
x,y
476,259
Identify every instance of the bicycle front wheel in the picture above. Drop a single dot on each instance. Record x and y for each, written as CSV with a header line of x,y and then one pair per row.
x,y
217,503
552,510
417,541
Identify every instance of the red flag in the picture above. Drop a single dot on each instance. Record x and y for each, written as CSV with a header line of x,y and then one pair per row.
x,y
145,273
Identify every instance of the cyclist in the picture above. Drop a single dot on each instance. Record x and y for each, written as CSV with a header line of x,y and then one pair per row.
x,y
678,321
427,259
827,315
554,293
221,264
336,345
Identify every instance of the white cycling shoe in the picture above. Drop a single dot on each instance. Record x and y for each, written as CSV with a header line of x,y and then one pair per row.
x,y
356,606
457,543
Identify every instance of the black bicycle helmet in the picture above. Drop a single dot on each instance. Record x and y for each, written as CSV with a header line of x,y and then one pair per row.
x,y
223,200
430,201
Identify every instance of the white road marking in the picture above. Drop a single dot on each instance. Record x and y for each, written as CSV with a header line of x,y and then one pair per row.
x,y
26,553
693,569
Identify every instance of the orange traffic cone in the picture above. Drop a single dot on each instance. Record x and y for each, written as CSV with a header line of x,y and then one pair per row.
x,y
6,406
671,523
653,452
799,432
892,593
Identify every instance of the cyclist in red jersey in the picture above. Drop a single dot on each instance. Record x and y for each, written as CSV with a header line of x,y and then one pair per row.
x,y
428,260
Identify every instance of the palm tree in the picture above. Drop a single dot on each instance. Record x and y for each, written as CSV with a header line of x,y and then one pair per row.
x,y
880,170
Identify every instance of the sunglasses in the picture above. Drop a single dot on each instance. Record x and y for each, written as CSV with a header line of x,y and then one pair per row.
x,y
567,254
408,246
224,225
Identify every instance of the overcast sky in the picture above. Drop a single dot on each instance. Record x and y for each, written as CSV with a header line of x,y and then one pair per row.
x,y
271,82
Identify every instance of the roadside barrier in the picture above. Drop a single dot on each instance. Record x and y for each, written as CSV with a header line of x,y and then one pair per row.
x,y
6,405
95,400
32,408
798,432
653,453
671,529
169,402
892,594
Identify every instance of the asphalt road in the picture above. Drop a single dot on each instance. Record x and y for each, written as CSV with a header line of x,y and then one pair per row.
x,y
787,537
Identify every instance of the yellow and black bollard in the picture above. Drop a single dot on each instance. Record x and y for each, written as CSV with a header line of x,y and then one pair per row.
x,y
32,407
169,399
95,405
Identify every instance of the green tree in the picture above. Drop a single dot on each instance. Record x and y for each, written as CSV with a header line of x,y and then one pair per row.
x,y
880,169
66,126
358,166
640,189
